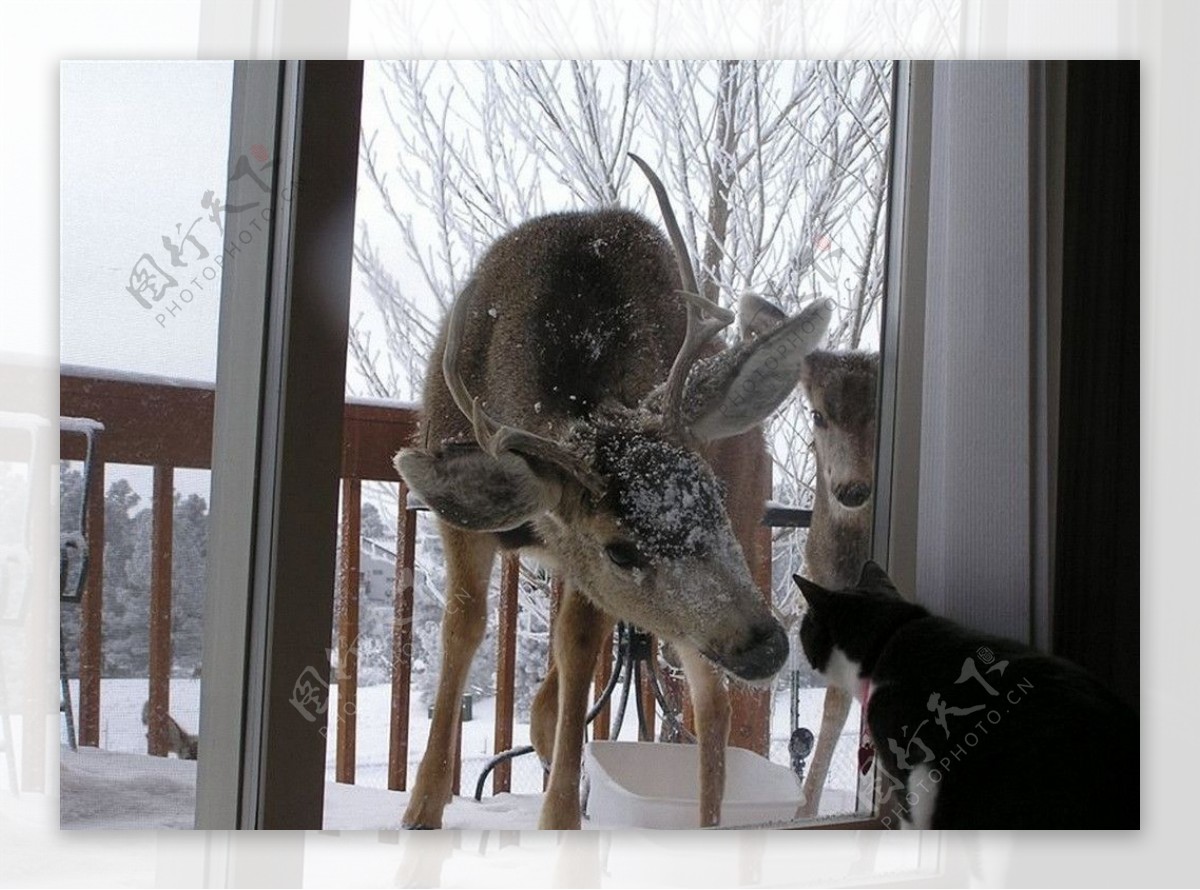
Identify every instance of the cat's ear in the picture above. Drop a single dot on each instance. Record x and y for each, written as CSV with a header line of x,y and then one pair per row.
x,y
814,593
873,577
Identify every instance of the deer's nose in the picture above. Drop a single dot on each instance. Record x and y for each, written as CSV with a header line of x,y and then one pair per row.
x,y
852,494
761,655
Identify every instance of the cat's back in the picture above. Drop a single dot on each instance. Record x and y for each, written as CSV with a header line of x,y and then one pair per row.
x,y
1014,738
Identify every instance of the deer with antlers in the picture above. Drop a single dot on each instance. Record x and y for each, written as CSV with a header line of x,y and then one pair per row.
x,y
579,390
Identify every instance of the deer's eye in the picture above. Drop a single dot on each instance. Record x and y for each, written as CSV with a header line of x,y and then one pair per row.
x,y
818,420
624,555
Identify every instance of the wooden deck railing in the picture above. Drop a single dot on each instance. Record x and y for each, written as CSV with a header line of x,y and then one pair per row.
x,y
168,425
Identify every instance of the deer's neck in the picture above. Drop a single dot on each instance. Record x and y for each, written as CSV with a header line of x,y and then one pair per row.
x,y
839,540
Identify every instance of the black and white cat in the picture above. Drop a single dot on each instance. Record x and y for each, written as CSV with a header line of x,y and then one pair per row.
x,y
972,730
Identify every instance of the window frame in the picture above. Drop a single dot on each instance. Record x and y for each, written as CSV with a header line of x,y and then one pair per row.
x,y
278,428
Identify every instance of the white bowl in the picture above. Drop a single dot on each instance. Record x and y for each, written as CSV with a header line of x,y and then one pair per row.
x,y
657,785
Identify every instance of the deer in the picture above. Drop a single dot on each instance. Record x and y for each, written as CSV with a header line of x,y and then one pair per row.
x,y
578,392
840,388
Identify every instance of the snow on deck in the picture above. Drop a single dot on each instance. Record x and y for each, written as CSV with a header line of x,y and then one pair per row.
x,y
119,786
109,790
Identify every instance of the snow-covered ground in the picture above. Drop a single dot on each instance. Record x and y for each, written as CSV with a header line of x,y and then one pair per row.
x,y
118,786
107,790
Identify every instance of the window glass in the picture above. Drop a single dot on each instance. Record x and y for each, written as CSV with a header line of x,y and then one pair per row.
x,y
779,174
145,228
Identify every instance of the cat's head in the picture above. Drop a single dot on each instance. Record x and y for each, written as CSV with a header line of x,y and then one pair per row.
x,y
843,631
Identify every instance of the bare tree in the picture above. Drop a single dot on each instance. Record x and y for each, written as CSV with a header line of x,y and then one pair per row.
x,y
782,169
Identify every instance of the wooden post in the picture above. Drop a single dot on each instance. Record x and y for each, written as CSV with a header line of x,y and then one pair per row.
x,y
506,665
347,666
91,655
744,462
402,646
649,702
750,726
161,535
602,725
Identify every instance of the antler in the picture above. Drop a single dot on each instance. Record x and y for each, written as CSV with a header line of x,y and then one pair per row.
x,y
495,437
704,317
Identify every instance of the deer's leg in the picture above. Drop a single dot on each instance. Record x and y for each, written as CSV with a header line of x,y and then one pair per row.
x,y
578,632
543,715
468,566
833,720
710,703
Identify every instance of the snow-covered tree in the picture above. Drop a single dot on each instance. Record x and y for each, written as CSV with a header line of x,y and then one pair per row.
x,y
125,614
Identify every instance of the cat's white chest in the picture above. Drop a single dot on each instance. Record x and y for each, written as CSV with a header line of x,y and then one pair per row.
x,y
843,672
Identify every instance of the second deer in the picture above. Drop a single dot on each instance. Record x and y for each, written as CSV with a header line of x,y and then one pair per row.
x,y
841,391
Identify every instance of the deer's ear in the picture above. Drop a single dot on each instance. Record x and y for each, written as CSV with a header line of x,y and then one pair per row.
x,y
473,490
741,387
757,317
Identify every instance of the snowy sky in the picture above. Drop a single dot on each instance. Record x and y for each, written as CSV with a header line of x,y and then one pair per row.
x,y
141,142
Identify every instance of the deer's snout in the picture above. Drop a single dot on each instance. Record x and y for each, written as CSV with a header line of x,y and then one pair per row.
x,y
852,494
761,654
